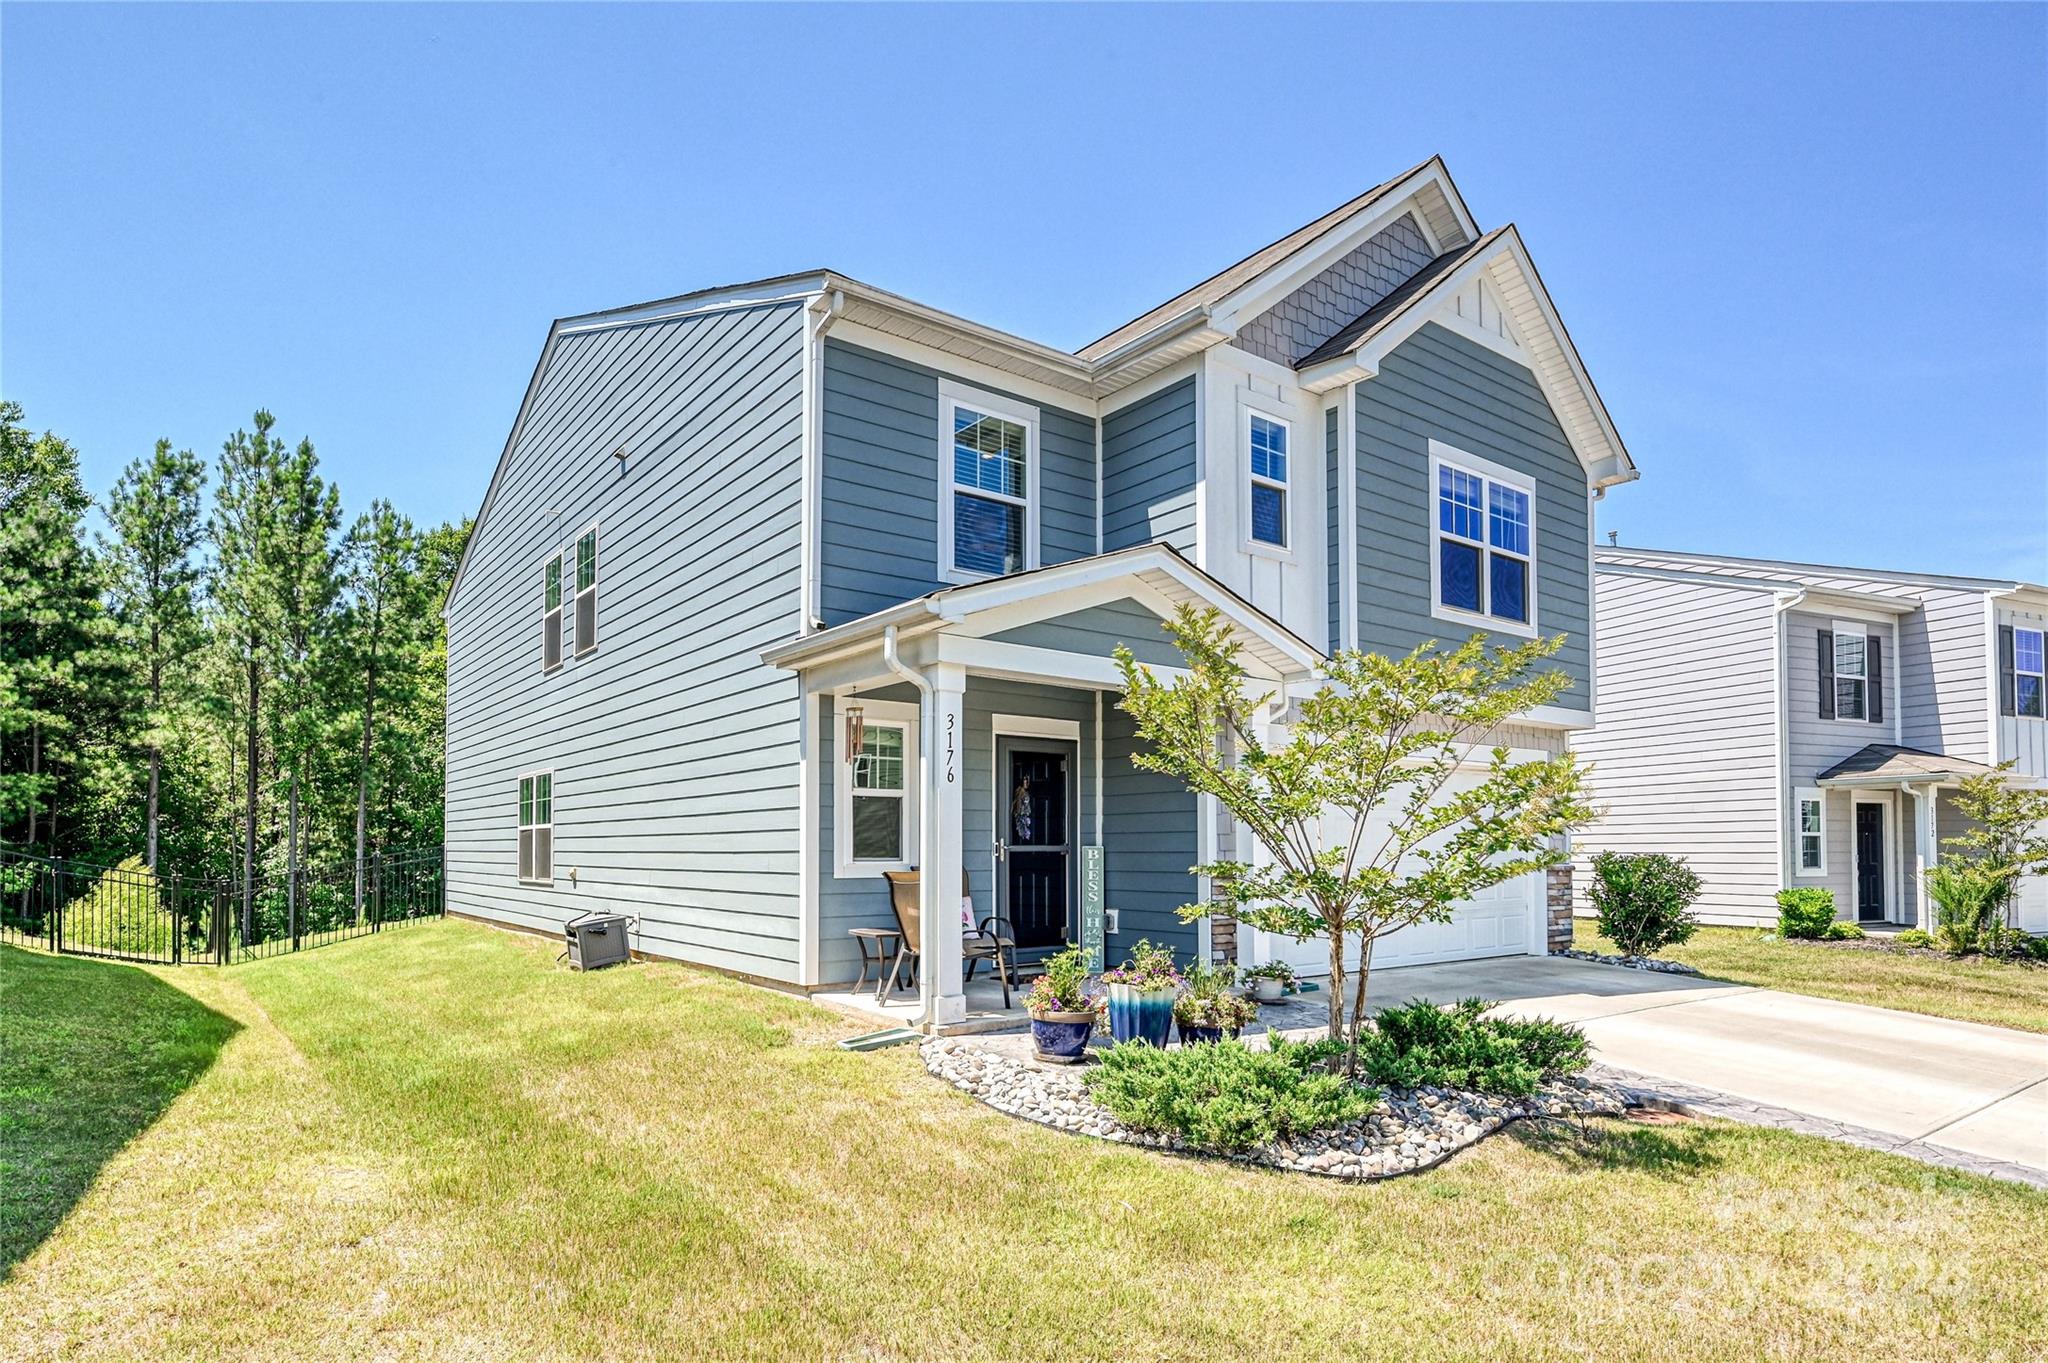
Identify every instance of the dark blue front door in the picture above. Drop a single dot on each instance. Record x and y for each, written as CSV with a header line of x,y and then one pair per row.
x,y
1034,834
1869,862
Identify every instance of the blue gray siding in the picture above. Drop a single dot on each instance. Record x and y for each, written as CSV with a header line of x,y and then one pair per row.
x,y
1438,384
674,749
882,460
1099,629
1148,470
1149,845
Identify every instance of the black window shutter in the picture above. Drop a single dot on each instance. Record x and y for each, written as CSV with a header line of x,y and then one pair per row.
x,y
1827,674
1874,667
2008,693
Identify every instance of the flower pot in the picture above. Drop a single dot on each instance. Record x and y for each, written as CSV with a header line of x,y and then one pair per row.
x,y
1061,1038
1266,989
1192,1035
1144,1015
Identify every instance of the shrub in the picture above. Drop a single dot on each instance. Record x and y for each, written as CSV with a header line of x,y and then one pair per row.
x,y
1805,912
1967,897
1843,932
1457,1047
1913,937
1224,1096
1644,900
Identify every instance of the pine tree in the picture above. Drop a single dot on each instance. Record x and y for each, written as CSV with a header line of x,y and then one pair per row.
x,y
302,563
153,573
382,625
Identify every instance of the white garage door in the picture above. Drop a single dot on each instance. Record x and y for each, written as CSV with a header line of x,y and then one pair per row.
x,y
1499,922
2033,908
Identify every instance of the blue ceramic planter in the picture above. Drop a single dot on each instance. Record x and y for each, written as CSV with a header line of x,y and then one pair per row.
x,y
1191,1036
1062,1038
1144,1015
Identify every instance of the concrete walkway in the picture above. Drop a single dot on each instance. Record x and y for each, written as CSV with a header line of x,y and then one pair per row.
x,y
1962,1086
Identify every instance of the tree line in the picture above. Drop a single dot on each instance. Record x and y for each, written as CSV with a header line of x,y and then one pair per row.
x,y
224,680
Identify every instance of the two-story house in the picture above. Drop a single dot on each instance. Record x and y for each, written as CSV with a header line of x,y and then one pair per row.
x,y
1784,724
783,585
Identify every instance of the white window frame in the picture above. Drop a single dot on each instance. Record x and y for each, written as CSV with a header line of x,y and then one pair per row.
x,y
952,397
1252,543
1851,629
1801,797
554,559
575,593
874,714
1441,455
2018,672
524,827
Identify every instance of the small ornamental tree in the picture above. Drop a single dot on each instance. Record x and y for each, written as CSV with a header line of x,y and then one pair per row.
x,y
1644,900
2008,833
1354,808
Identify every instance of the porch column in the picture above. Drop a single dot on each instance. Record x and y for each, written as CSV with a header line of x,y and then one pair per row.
x,y
1925,853
944,994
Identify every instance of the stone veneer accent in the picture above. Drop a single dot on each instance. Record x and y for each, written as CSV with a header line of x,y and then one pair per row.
x,y
1558,903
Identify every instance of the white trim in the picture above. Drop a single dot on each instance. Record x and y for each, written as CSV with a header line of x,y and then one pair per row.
x,y
1884,801
561,655
953,396
590,532
1251,409
1440,455
877,714
520,779
965,369
1187,367
1802,796
1022,662
809,908
2041,675
1838,630
1347,518
1035,726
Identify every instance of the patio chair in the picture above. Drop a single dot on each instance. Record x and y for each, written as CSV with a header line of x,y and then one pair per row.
x,y
993,941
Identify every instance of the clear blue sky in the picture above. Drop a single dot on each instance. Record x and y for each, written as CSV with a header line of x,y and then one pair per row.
x,y
1801,249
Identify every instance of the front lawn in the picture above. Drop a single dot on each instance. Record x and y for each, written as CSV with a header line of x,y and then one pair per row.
x,y
1971,989
435,1144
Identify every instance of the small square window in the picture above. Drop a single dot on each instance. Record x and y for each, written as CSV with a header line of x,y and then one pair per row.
x,y
1459,568
1269,514
1508,583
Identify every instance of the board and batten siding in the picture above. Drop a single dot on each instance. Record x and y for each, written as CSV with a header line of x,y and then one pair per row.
x,y
1148,470
1439,385
1684,751
879,533
674,749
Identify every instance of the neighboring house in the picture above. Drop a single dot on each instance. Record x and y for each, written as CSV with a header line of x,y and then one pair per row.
x,y
1784,724
734,532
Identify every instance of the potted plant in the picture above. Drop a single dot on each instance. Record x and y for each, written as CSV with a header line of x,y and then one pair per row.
x,y
1210,1010
1141,993
1063,1012
1270,981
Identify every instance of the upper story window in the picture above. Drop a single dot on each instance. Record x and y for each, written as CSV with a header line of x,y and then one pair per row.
x,y
537,828
1813,847
1852,658
2022,672
551,613
1266,438
1483,542
1851,672
875,815
586,592
988,498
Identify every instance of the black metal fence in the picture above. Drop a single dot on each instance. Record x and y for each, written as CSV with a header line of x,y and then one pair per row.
x,y
130,913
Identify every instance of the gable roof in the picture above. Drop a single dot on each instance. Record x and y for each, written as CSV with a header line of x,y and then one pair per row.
x,y
1369,323
1625,555
1890,762
1224,282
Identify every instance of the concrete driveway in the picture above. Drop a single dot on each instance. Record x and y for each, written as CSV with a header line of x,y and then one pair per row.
x,y
1961,1085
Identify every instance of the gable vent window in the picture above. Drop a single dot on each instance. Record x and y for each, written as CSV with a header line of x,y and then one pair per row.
x,y
2022,672
551,614
1851,673
586,592
1267,440
537,828
1484,543
988,498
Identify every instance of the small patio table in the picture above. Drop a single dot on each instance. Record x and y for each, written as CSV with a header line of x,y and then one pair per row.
x,y
877,949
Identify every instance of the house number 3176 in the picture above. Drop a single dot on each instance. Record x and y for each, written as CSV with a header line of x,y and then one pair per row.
x,y
951,722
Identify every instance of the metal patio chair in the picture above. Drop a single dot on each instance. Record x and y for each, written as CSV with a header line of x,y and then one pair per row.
x,y
993,941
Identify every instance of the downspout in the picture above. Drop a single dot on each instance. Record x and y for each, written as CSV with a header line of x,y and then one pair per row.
x,y
818,318
927,887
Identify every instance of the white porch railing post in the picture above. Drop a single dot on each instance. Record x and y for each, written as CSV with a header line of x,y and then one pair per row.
x,y
942,988
1928,852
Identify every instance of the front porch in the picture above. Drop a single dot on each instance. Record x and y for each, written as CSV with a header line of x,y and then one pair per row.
x,y
975,732
1885,811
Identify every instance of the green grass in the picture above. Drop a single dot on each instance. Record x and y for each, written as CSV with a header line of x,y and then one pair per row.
x,y
1971,989
435,1144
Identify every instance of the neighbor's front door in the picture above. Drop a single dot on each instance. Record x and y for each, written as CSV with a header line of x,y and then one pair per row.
x,y
1034,839
1869,862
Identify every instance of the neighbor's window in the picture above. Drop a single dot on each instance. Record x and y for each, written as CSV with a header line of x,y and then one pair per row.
x,y
1852,660
537,828
1813,851
1268,443
586,592
2030,685
551,614
875,826
1484,541
986,513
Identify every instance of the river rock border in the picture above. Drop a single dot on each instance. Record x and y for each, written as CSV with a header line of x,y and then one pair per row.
x,y
1411,1129
1649,963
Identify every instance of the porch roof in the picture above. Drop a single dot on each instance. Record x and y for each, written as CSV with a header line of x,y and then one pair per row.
x,y
1154,574
1888,763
